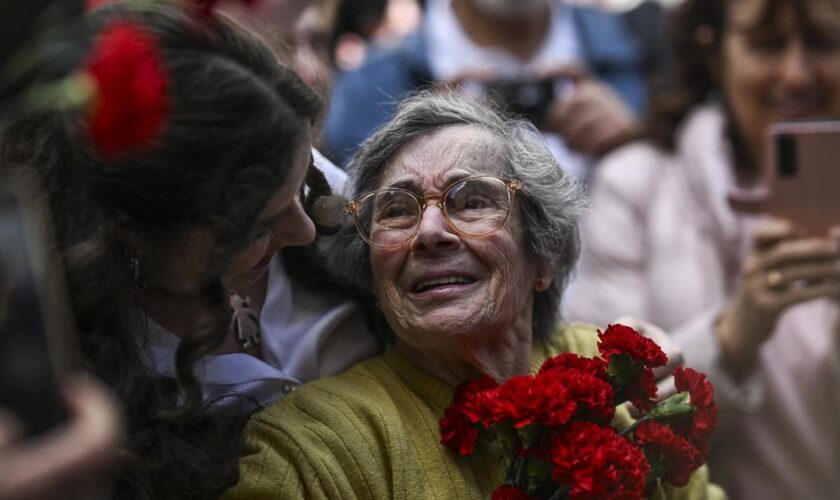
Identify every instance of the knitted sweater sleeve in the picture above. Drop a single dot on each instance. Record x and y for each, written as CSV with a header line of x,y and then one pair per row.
x,y
311,447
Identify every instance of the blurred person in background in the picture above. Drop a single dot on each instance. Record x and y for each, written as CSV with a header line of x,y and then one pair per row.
x,y
578,68
751,301
73,460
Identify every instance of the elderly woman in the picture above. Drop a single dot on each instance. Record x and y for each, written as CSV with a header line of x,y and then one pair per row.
x,y
466,231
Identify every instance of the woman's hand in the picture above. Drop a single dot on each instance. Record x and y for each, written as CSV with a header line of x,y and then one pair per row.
x,y
591,117
70,461
783,270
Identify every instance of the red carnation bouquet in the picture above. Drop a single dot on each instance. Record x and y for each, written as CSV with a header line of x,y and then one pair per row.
x,y
554,431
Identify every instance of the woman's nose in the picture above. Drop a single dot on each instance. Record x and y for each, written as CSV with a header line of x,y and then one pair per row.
x,y
434,233
297,230
796,69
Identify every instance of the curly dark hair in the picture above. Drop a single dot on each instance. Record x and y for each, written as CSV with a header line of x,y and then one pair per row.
x,y
234,121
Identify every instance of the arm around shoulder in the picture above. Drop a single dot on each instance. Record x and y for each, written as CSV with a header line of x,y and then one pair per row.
x,y
308,445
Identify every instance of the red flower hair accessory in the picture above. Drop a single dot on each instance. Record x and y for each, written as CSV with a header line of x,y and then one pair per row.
x,y
130,107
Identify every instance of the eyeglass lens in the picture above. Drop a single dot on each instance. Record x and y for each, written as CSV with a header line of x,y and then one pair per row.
x,y
475,207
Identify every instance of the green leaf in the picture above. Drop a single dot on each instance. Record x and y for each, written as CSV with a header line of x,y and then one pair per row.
x,y
674,406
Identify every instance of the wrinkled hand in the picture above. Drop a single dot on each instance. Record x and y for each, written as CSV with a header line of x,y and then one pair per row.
x,y
783,270
591,118
70,461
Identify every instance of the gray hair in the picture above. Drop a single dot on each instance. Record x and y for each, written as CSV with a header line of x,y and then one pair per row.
x,y
552,202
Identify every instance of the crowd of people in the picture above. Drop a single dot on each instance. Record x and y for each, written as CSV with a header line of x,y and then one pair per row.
x,y
339,215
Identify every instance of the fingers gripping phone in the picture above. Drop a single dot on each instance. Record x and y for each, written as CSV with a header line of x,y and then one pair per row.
x,y
804,178
36,341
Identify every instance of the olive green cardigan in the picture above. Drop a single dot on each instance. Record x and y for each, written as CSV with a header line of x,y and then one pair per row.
x,y
372,433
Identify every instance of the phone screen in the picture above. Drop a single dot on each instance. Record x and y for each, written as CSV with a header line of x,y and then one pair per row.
x,y
28,385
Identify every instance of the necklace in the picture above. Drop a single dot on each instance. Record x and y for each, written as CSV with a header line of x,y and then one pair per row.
x,y
145,287
245,322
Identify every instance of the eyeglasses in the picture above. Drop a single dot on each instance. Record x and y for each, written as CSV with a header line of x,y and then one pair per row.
x,y
475,206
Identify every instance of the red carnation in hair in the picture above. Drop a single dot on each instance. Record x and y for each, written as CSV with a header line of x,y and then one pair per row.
x,y
131,104
620,339
506,492
679,456
593,366
595,462
697,428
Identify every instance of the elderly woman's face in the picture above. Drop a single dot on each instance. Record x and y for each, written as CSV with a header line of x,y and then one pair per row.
x,y
787,67
480,288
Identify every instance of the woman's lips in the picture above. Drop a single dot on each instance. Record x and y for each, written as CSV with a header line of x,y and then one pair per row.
x,y
443,292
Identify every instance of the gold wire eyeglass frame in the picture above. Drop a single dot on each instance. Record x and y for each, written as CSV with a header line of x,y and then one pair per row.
x,y
353,208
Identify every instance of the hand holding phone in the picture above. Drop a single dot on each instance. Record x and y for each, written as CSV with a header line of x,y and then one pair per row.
x,y
36,340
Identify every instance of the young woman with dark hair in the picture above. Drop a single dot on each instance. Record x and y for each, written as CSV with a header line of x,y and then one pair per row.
x,y
170,251
751,300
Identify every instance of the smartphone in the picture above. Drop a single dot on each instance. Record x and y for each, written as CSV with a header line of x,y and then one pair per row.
x,y
804,176
528,98
37,345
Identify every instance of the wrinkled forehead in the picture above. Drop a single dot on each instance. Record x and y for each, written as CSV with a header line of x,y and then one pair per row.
x,y
435,160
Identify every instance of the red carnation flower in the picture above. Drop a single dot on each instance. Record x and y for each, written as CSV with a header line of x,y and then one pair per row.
x,y
457,432
679,456
466,389
506,492
697,428
594,366
469,407
620,339
527,400
131,104
595,462
592,395
641,390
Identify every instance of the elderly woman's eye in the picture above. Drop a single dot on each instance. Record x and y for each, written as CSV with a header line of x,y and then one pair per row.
x,y
396,210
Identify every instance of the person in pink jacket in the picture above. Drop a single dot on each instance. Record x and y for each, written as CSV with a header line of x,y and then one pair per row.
x,y
749,299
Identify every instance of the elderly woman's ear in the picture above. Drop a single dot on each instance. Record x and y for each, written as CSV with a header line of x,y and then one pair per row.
x,y
542,283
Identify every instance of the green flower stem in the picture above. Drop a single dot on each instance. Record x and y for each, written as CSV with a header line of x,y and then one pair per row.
x,y
674,406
